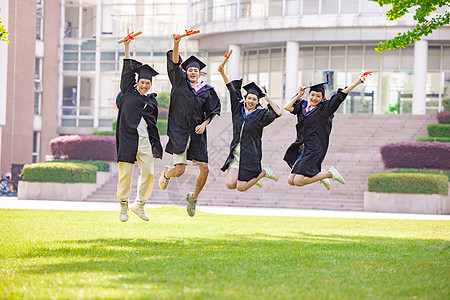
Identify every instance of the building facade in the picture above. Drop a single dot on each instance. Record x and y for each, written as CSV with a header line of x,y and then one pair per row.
x,y
29,81
67,81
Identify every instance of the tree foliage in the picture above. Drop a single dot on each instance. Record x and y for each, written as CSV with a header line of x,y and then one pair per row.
x,y
425,24
3,32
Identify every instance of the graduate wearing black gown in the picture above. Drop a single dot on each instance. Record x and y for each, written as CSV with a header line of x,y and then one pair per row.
x,y
314,122
249,119
193,104
137,136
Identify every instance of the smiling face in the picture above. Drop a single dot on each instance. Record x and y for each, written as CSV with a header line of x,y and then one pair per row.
x,y
193,75
315,98
251,101
144,85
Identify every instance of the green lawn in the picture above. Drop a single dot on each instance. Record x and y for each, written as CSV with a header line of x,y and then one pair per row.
x,y
92,255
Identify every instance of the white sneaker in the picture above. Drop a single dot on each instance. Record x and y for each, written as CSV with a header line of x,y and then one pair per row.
x,y
325,182
259,184
163,181
336,176
269,173
192,203
123,211
138,208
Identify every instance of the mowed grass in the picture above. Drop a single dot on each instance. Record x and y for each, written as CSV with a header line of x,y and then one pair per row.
x,y
92,255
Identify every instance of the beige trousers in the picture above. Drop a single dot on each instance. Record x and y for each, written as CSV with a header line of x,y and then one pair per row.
x,y
145,161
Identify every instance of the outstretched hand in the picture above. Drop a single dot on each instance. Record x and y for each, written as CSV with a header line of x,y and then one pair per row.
x,y
200,129
301,91
221,69
176,38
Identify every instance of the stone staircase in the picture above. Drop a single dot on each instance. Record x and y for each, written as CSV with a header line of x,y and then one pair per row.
x,y
354,150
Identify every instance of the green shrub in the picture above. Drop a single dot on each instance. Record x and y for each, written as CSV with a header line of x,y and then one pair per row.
x,y
60,172
102,166
103,132
434,139
162,126
439,130
114,125
408,183
423,171
446,104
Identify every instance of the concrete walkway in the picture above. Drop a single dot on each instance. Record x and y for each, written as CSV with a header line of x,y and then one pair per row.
x,y
14,203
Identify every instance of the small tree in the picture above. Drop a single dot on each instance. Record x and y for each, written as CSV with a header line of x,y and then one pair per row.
x,y
3,32
423,27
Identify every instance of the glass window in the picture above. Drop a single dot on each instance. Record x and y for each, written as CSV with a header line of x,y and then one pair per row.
x,y
70,56
258,8
108,56
350,6
36,137
322,51
88,56
355,50
37,72
70,95
391,62
86,95
89,18
292,8
338,63
275,7
338,51
329,6
310,7
321,63
72,24
39,20
37,103
354,62
369,7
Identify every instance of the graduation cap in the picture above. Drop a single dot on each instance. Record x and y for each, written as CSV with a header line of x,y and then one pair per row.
x,y
192,62
319,87
146,72
252,88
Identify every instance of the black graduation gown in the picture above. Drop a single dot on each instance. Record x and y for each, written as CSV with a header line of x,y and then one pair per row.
x,y
187,110
131,110
313,131
251,143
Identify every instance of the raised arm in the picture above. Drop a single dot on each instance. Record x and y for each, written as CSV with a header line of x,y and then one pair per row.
x,y
176,47
224,76
290,105
275,107
127,48
360,80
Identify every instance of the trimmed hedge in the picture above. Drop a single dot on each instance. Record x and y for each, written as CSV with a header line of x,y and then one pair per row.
x,y
434,139
423,172
60,172
418,155
439,130
446,104
162,126
407,183
101,165
103,132
85,147
443,117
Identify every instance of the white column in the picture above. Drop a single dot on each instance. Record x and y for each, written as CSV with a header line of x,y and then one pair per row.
x,y
3,63
234,62
292,52
3,72
97,86
420,77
